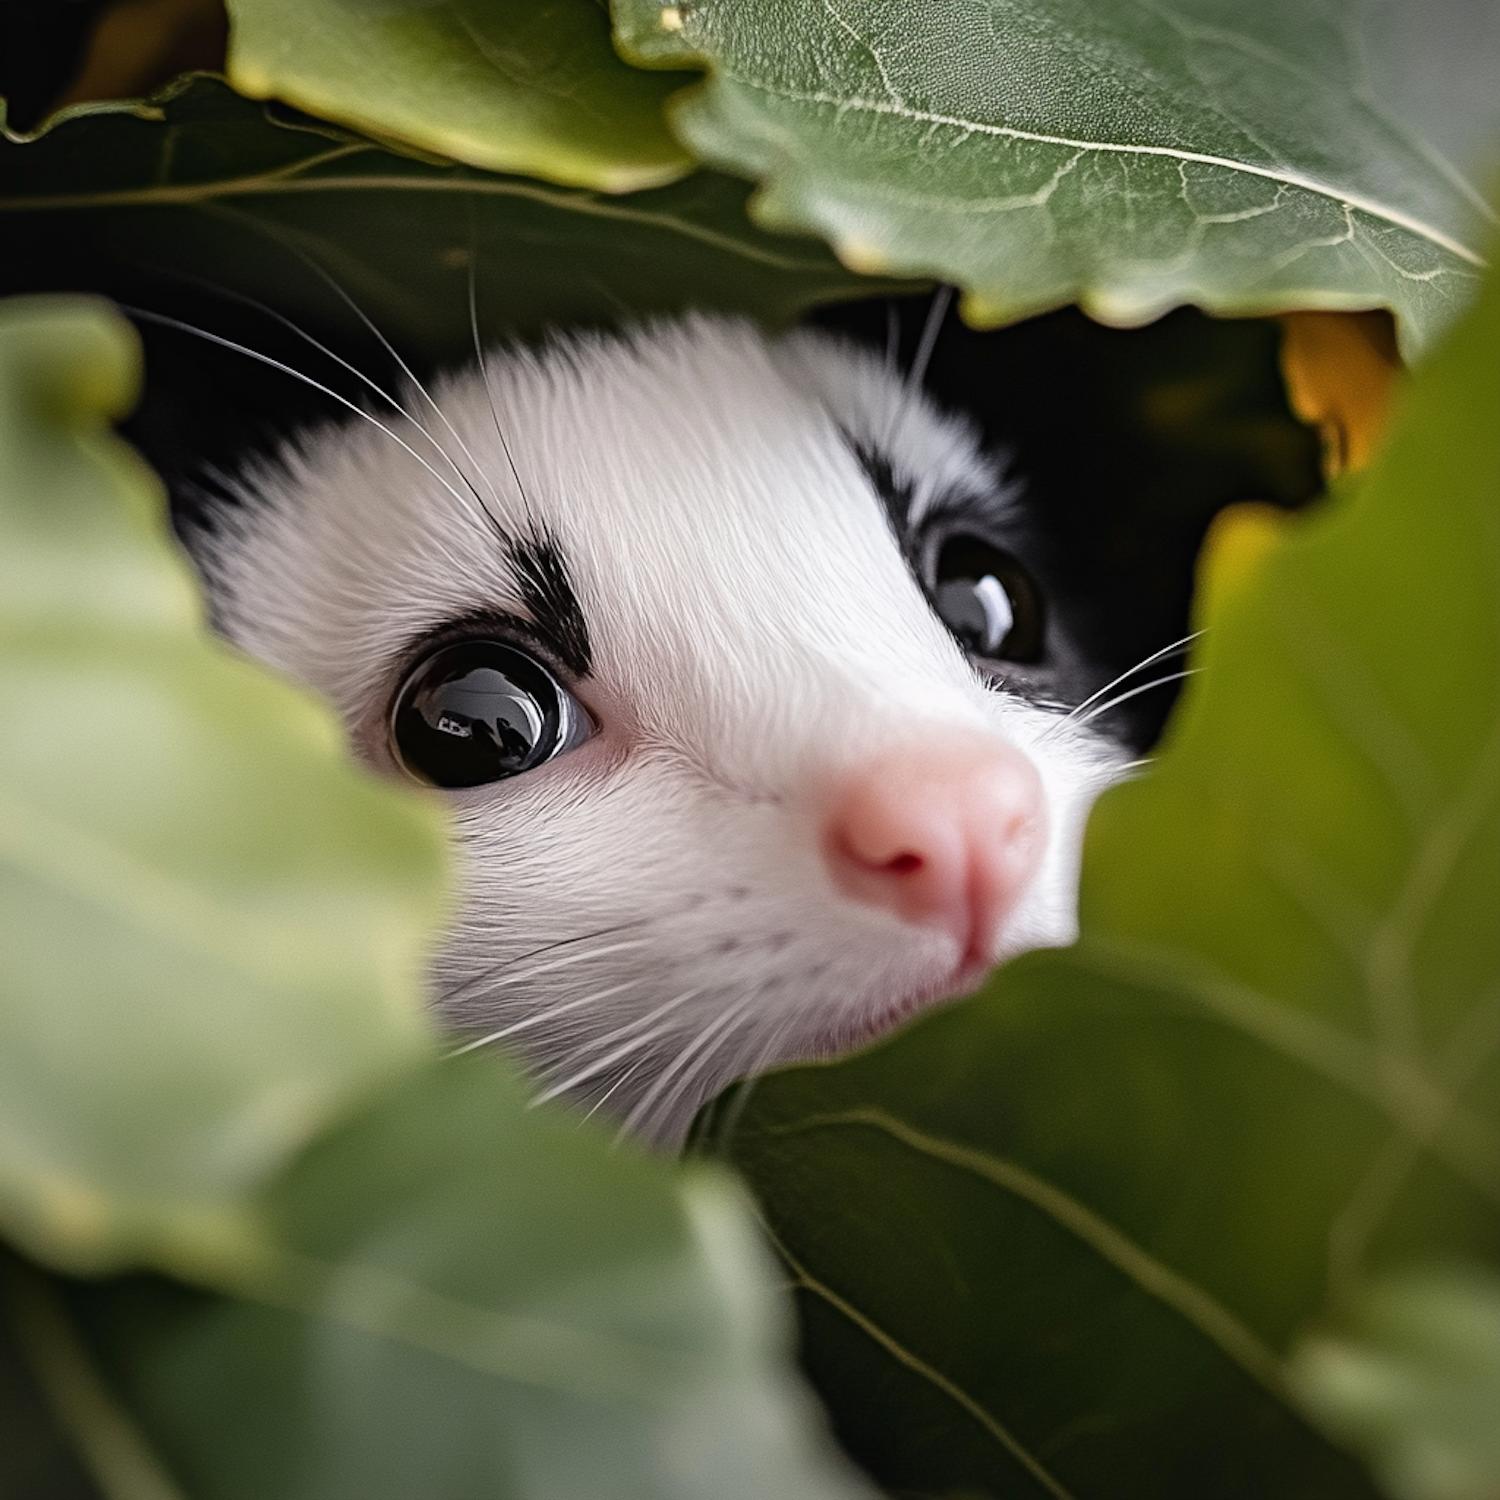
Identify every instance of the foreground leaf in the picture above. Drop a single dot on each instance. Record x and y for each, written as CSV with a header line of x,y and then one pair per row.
x,y
1125,157
212,924
455,1297
532,87
1061,1238
211,187
1415,1382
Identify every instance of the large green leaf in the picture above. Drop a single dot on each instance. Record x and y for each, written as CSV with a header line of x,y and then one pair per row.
x,y
454,1297
212,923
532,87
211,185
1127,156
1062,1237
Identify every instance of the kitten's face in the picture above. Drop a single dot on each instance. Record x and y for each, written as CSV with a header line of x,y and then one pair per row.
x,y
744,798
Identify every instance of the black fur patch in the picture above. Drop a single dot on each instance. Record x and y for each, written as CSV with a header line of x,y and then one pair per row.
x,y
546,588
895,495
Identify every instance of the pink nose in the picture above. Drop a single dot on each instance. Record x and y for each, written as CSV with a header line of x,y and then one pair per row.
x,y
945,835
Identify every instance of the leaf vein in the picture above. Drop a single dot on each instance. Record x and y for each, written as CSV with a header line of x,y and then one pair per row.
x,y
272,183
918,1366
1283,175
1176,1291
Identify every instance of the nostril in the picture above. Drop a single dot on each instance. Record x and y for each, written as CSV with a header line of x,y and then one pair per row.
x,y
945,837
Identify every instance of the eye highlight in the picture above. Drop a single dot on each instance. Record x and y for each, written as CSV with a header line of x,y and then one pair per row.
x,y
480,711
987,599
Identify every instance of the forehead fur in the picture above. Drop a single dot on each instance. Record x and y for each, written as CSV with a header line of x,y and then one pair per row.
x,y
698,481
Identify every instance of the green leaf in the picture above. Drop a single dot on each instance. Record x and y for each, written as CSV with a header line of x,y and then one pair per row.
x,y
533,87
212,923
454,1297
1127,157
218,189
1414,1381
213,1061
1061,1238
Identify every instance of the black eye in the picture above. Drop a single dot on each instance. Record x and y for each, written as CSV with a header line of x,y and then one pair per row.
x,y
987,599
480,711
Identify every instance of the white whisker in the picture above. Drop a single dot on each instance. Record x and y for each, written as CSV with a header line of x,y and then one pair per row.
x,y
545,1016
276,364
1140,666
632,1045
705,1038
941,300
491,976
568,960
333,284
917,373
484,373
1145,687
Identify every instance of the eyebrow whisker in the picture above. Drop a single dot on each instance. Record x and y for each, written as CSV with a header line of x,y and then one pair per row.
x,y
214,338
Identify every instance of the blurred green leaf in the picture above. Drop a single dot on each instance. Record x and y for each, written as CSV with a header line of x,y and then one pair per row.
x,y
1061,1238
453,1296
217,188
212,923
1127,157
529,87
211,926
1414,1381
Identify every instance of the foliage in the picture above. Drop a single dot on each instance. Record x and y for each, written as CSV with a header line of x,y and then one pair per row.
x,y
206,187
1205,1205
532,87
1416,1381
203,906
215,1065
1125,157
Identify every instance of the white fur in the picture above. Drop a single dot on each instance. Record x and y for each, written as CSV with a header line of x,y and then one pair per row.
x,y
649,916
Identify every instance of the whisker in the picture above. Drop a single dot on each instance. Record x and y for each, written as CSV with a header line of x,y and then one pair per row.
x,y
685,1081
507,977
707,1036
624,1050
545,1016
625,1076
276,364
941,300
337,289
580,937
478,980
917,372
245,300
1129,672
484,373
1145,687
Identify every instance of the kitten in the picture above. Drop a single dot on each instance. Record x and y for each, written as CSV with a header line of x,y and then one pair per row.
x,y
724,648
